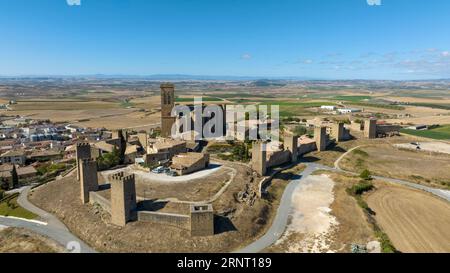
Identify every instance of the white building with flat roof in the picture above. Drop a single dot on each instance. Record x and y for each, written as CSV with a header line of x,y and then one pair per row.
x,y
328,107
348,110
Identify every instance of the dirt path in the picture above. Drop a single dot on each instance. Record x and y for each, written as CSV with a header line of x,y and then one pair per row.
x,y
414,221
310,216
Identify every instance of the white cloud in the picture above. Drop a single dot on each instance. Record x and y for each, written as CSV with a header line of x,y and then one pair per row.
x,y
374,2
445,54
246,56
73,2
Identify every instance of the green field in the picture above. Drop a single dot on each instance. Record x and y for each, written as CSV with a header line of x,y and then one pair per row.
x,y
433,105
440,133
352,98
243,95
203,99
378,105
291,108
9,207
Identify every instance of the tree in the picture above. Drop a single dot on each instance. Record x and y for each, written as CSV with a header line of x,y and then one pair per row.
x,y
122,148
366,175
109,160
300,130
15,177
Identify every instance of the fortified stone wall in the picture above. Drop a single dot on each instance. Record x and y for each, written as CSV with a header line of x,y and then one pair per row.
x,y
176,220
306,148
279,158
386,129
96,198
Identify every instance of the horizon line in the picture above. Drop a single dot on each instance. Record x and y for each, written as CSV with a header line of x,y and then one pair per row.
x,y
178,76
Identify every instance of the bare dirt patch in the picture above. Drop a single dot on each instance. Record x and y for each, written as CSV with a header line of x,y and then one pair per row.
x,y
17,240
347,223
310,219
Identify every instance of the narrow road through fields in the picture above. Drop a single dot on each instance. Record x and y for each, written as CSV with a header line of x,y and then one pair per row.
x,y
445,194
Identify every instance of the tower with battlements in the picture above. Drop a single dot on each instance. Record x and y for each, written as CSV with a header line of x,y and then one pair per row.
x,y
370,128
320,135
88,178
259,157
167,104
291,144
338,131
83,151
123,198
202,220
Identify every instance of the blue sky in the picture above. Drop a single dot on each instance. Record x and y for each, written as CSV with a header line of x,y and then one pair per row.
x,y
330,39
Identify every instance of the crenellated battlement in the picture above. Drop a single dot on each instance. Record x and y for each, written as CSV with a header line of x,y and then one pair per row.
x,y
122,177
83,144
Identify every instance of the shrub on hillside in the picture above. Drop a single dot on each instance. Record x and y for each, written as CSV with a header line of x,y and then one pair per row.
x,y
366,175
360,188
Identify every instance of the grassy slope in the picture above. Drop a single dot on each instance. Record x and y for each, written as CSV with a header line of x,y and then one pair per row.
x,y
13,209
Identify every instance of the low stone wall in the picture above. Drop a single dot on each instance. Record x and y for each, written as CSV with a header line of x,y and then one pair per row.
x,y
176,220
94,197
278,158
266,180
306,148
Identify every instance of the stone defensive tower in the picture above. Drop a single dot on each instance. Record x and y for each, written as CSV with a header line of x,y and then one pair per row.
x,y
202,220
337,131
370,128
167,104
88,178
83,151
320,135
291,144
259,154
123,199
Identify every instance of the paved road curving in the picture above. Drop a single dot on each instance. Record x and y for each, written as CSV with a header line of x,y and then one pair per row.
x,y
445,194
63,237
53,228
51,220
281,218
